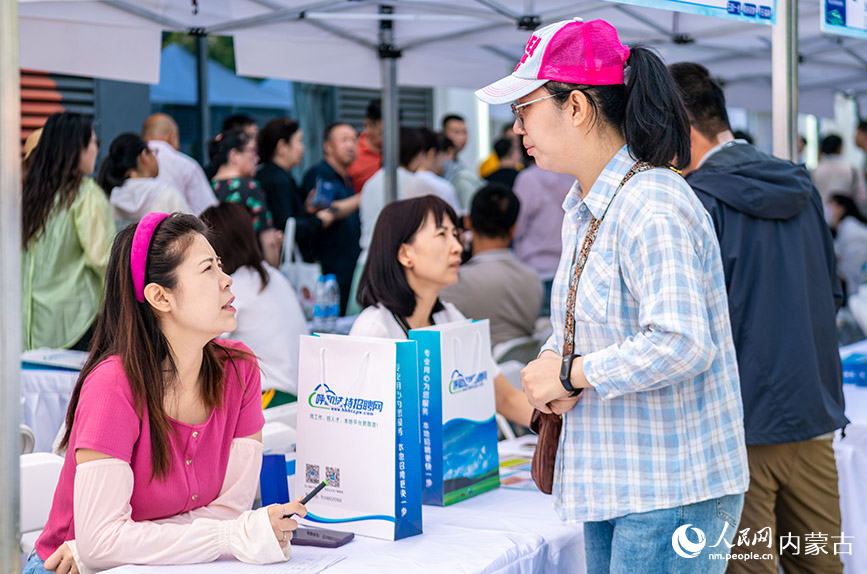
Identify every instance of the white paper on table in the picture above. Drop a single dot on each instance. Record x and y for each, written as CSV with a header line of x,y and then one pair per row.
x,y
306,563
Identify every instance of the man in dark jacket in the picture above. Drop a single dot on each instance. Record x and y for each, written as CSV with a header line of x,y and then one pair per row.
x,y
783,292
336,248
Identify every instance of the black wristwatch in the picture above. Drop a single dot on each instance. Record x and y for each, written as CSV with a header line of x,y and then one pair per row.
x,y
566,375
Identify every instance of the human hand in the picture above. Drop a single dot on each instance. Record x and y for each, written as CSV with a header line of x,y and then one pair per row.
x,y
271,241
326,217
562,405
540,380
284,527
308,203
62,561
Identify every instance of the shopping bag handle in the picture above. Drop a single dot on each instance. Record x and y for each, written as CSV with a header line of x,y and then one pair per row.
x,y
459,352
360,374
290,253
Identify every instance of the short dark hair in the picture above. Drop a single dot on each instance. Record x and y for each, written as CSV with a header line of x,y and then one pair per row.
x,y
831,144
411,144
503,147
232,236
451,118
494,210
862,126
237,122
850,208
703,97
374,110
383,279
271,134
329,129
743,135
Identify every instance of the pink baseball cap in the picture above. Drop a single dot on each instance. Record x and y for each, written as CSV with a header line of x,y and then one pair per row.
x,y
572,51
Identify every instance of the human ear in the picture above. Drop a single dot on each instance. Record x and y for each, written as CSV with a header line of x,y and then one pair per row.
x,y
404,257
157,297
579,108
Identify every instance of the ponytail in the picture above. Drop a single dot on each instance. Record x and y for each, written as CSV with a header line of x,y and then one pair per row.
x,y
647,110
655,123
220,147
123,155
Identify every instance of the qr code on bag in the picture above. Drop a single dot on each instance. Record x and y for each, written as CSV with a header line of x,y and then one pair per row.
x,y
332,475
313,474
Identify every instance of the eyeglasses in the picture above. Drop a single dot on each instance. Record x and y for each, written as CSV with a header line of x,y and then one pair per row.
x,y
516,109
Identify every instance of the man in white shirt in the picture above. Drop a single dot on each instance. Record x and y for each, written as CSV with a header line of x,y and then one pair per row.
x,y
373,193
834,175
177,169
435,151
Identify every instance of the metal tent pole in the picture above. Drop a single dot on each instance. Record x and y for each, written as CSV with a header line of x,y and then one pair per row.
x,y
203,107
10,286
388,56
784,86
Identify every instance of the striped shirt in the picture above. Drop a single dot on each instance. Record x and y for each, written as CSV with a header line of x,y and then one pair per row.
x,y
662,425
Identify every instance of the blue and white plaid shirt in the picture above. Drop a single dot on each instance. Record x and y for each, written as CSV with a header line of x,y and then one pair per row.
x,y
662,425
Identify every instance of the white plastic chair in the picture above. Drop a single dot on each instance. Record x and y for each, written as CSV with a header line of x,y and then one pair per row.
x,y
505,428
278,437
40,472
28,439
286,414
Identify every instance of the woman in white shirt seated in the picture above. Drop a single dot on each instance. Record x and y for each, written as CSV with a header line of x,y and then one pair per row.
x,y
269,315
414,253
850,240
128,174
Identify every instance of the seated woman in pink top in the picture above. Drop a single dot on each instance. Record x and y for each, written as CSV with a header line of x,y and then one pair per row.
x,y
165,423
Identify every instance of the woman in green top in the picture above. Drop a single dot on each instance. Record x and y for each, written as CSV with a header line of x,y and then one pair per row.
x,y
67,231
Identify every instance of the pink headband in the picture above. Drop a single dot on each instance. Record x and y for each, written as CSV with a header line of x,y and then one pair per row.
x,y
138,254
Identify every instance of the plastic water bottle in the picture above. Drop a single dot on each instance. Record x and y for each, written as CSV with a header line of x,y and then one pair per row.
x,y
332,298
320,306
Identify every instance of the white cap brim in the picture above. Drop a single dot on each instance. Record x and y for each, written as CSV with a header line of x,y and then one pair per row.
x,y
508,90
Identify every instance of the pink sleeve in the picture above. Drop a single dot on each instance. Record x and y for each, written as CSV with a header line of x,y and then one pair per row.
x,y
239,485
105,418
106,535
250,418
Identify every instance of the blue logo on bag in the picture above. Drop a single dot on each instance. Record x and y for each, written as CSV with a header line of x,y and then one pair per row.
x,y
323,397
460,383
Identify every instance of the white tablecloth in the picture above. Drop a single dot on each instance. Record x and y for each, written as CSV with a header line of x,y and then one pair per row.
x,y
851,454
44,398
502,531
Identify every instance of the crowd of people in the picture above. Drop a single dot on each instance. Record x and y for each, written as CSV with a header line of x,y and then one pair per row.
x,y
692,283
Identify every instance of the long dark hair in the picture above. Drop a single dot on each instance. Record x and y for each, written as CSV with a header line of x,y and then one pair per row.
x,y
219,148
647,110
123,155
131,330
53,170
383,279
234,239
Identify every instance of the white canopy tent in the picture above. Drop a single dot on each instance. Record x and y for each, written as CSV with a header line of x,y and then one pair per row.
x,y
457,43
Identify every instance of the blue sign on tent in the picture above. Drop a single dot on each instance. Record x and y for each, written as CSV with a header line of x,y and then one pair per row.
x,y
758,11
844,18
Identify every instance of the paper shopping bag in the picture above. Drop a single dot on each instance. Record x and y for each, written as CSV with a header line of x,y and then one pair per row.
x,y
458,410
358,428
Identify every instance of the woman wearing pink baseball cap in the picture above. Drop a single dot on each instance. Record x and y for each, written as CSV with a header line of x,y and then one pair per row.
x,y
641,365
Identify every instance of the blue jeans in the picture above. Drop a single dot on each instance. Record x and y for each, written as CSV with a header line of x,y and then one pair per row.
x,y
35,565
646,542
